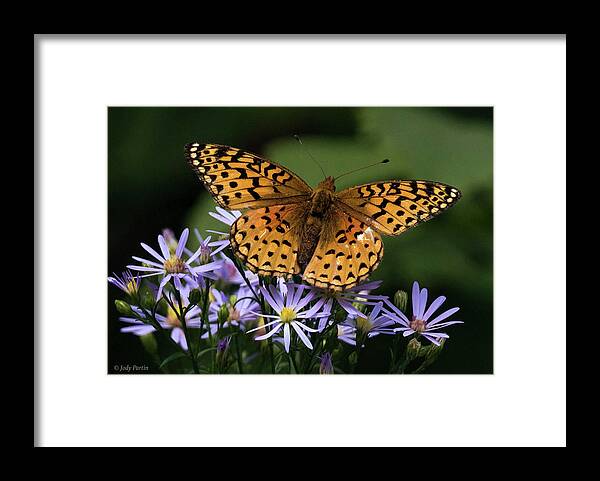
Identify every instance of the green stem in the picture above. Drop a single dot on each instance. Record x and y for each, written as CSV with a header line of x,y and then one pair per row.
x,y
272,356
359,342
238,354
292,356
204,320
181,316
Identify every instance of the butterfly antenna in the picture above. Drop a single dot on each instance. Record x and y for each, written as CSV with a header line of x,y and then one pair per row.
x,y
297,137
384,161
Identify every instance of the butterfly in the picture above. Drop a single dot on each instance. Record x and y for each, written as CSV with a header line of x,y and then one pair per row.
x,y
332,239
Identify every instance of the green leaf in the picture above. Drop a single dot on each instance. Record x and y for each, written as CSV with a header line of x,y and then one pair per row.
x,y
204,351
172,357
149,343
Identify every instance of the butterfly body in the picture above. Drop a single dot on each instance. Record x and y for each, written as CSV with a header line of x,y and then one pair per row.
x,y
318,208
330,238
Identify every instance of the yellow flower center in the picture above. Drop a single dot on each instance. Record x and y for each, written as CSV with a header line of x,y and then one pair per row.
x,y
204,257
172,318
259,323
287,314
132,287
234,314
417,325
363,324
174,265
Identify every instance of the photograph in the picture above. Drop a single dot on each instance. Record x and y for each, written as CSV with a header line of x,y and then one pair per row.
x,y
300,240
330,233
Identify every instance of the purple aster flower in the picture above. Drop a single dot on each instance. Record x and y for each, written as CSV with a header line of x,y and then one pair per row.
x,y
289,308
227,217
378,321
234,310
206,252
229,273
170,240
205,257
172,266
326,366
347,334
346,299
127,282
170,321
223,344
420,322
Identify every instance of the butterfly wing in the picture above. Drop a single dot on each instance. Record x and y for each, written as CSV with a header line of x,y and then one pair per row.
x,y
267,239
238,179
394,206
347,252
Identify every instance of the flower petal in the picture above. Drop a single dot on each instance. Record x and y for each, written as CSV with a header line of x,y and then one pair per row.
x,y
264,325
303,337
152,252
310,295
294,294
347,306
434,307
139,329
314,309
436,334
443,325
163,283
269,298
376,310
220,246
442,316
146,261
269,334
431,339
416,294
179,337
210,266
146,269
367,286
286,337
163,247
182,242
195,255
306,328
422,303
395,312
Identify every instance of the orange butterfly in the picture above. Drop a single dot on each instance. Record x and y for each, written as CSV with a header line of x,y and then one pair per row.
x,y
331,238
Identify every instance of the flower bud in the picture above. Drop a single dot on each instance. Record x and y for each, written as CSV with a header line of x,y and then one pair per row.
x,y
431,354
326,366
413,349
401,300
170,240
223,314
123,307
435,351
222,350
195,296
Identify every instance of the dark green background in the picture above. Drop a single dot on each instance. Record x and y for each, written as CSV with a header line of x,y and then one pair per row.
x,y
152,187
